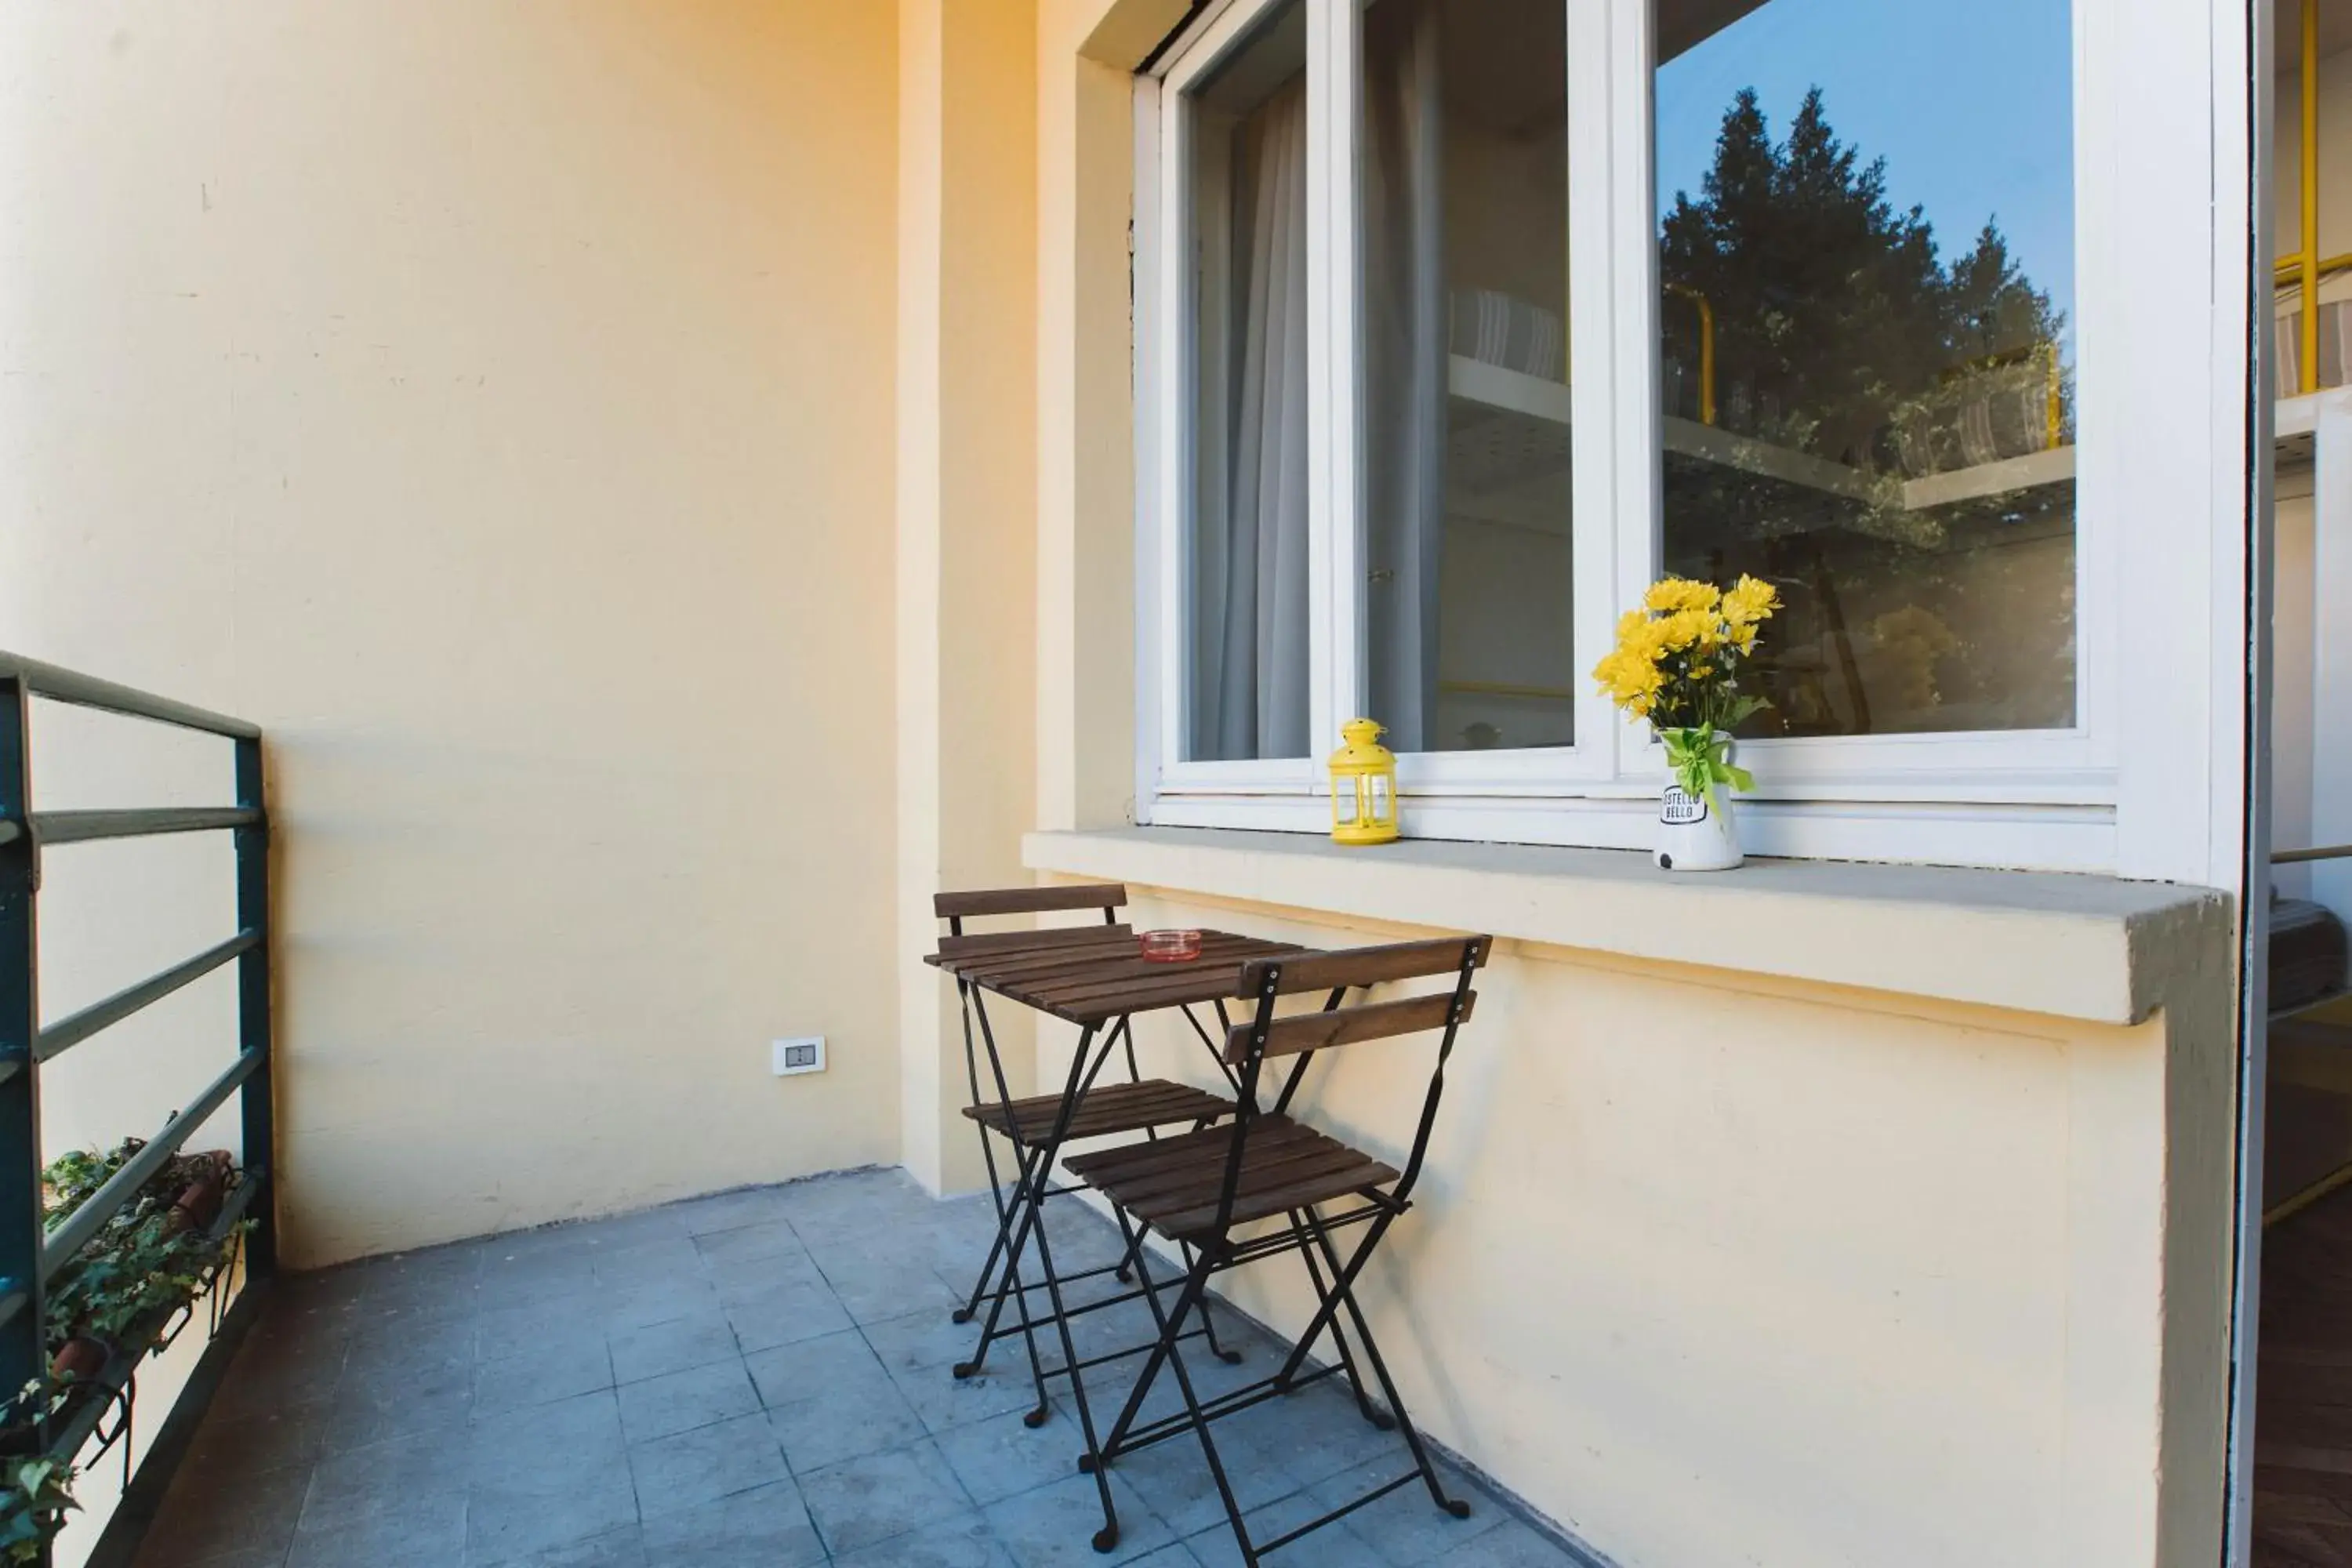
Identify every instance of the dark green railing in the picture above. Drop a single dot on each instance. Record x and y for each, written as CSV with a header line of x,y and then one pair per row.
x,y
29,1257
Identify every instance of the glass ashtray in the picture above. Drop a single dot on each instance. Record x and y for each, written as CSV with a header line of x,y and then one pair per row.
x,y
1170,946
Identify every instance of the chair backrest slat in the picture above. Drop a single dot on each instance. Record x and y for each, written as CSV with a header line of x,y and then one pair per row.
x,y
1360,966
1028,900
1045,940
1346,1025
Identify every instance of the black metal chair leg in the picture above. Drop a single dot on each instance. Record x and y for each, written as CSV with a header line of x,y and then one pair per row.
x,y
1078,1384
1018,1244
1310,1224
1195,1418
981,1286
1347,1294
1083,1069
993,1283
972,1002
1328,1311
1209,1318
1196,1285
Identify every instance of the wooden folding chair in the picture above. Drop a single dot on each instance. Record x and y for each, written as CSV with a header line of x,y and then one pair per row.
x,y
1038,1126
1200,1189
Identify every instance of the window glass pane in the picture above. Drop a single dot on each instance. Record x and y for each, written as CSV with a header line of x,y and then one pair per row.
x,y
1246,130
1465,527
1866,244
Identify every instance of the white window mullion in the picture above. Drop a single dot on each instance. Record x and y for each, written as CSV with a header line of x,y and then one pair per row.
x,y
1175,402
1638,505
1335,400
1613,380
1157,702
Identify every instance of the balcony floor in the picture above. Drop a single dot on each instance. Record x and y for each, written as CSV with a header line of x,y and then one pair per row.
x,y
757,1378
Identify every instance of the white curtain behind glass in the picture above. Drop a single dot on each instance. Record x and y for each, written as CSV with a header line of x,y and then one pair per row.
x,y
1407,332
1252,575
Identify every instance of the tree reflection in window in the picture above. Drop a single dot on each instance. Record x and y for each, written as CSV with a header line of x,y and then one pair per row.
x,y
1885,435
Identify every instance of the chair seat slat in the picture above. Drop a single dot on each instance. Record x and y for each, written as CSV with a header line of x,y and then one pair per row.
x,y
1118,1108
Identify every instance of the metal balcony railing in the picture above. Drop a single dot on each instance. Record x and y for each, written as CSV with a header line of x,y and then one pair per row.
x,y
29,1257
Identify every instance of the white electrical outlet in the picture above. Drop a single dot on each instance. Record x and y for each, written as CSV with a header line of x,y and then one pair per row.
x,y
801,1053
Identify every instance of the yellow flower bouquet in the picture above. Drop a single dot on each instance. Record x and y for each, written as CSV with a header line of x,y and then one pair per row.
x,y
1677,664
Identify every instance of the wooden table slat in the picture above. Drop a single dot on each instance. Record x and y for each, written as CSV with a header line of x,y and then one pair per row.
x,y
1093,983
1101,958
1073,983
965,948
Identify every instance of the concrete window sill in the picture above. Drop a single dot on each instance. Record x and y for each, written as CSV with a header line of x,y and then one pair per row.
x,y
2085,947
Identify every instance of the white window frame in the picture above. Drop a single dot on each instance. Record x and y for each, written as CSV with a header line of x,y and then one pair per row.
x,y
2043,798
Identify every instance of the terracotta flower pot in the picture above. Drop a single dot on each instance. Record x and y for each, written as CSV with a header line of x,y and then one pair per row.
x,y
80,1358
199,1203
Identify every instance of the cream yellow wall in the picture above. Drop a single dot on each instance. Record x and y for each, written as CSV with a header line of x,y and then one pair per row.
x,y
1716,1267
966,524
494,399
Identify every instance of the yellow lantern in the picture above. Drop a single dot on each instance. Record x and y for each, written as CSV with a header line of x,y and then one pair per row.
x,y
1363,786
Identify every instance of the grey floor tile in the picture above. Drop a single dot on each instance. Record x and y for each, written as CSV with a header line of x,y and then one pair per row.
x,y
348,1490
769,1527
655,1349
532,1326
539,1243
621,1548
1002,1457
1405,1528
855,1202
1173,1477
199,1522
505,1522
658,1298
427,1530
1004,1383
690,1469
1316,1434
395,1349
741,1279
728,1211
1511,1544
964,1542
786,1374
1331,1546
546,1440
1054,1526
915,1341
786,1314
388,1405
879,1496
852,1418
540,1377
873,1286
636,1258
155,1555
262,1440
295,1356
522,1281
749,1244
417,1285
681,1401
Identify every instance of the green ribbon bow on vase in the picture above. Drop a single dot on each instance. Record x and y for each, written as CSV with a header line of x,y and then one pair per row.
x,y
1700,761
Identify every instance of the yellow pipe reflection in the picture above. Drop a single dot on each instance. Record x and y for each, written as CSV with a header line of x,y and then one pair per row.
x,y
1705,350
